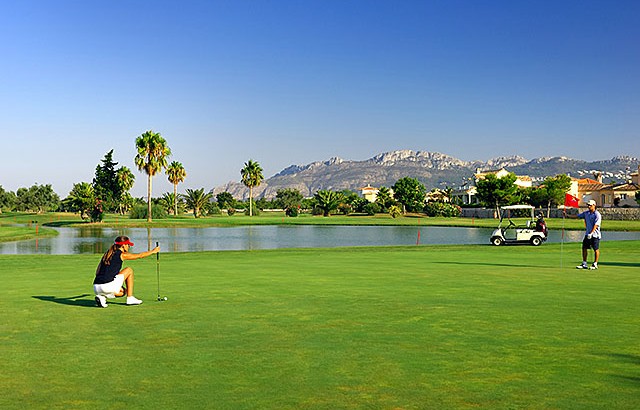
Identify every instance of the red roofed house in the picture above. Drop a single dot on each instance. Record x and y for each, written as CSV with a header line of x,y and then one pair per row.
x,y
607,195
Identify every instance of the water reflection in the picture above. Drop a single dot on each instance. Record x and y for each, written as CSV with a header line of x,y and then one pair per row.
x,y
96,240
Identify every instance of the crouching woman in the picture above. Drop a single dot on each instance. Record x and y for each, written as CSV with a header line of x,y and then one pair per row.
x,y
111,280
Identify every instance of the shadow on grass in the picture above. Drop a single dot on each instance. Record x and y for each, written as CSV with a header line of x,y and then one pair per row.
x,y
507,265
635,380
623,264
57,224
629,358
71,300
626,358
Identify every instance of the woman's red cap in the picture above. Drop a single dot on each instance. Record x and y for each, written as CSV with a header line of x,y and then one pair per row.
x,y
127,242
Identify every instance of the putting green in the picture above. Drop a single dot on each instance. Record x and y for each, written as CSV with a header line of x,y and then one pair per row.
x,y
444,327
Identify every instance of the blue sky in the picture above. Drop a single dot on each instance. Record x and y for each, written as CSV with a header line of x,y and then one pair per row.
x,y
292,82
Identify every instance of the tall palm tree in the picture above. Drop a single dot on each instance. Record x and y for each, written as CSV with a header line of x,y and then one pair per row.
x,y
251,177
177,174
197,199
125,180
152,158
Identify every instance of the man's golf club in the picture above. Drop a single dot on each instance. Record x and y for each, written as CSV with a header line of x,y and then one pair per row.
x,y
160,298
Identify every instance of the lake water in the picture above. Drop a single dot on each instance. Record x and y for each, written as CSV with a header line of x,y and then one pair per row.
x,y
95,240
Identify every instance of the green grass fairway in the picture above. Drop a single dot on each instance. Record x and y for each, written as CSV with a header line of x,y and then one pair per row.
x,y
435,327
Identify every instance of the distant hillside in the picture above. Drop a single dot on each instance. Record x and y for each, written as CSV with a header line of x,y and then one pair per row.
x,y
433,169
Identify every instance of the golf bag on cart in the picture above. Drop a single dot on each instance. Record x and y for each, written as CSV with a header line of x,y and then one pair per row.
x,y
541,225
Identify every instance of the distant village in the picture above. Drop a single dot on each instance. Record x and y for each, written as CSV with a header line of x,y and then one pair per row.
x,y
607,195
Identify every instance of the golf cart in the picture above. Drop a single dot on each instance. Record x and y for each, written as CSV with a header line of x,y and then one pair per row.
x,y
512,234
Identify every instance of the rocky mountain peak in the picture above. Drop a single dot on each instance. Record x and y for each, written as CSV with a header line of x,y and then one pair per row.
x,y
295,169
433,169
506,162
390,158
428,159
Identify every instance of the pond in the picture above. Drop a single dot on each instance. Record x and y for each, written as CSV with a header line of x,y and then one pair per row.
x,y
95,240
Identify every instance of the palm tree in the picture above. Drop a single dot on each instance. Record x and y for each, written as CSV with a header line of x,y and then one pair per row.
x,y
384,198
168,200
395,211
176,174
328,201
251,177
125,180
197,200
152,158
82,198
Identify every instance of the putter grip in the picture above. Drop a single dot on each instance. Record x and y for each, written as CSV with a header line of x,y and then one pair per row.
x,y
157,254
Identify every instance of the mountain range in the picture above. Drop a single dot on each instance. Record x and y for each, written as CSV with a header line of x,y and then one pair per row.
x,y
433,169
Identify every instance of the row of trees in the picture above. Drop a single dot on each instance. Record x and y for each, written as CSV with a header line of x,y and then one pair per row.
x,y
495,192
409,195
37,198
109,192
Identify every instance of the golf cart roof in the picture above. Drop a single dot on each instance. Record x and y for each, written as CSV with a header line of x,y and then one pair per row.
x,y
518,207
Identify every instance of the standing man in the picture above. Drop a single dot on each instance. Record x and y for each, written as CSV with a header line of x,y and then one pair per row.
x,y
592,221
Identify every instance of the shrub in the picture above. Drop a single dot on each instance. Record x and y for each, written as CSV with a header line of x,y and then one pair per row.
x,y
345,209
97,214
140,212
395,211
212,209
442,209
292,212
371,208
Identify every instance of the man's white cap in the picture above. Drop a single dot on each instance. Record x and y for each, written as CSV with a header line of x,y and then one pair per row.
x,y
591,202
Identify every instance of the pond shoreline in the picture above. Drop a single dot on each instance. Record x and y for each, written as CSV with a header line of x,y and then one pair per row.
x,y
49,222
97,239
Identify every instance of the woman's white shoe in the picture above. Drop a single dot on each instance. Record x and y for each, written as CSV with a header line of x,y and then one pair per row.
x,y
132,300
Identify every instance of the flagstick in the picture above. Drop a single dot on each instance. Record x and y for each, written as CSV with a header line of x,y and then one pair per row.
x,y
562,240
570,201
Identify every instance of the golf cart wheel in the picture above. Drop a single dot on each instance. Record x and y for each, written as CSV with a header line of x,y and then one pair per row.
x,y
497,241
536,241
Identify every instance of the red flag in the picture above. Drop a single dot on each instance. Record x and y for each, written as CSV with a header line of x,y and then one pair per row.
x,y
570,201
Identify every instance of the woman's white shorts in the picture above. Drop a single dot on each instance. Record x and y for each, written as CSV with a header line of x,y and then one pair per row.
x,y
111,287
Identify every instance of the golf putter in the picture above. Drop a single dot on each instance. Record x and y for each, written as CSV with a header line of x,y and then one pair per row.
x,y
160,298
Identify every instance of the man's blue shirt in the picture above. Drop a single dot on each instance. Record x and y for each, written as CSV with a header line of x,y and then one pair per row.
x,y
592,219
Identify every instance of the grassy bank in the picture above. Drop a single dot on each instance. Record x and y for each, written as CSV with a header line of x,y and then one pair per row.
x,y
447,327
278,218
19,233
27,230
